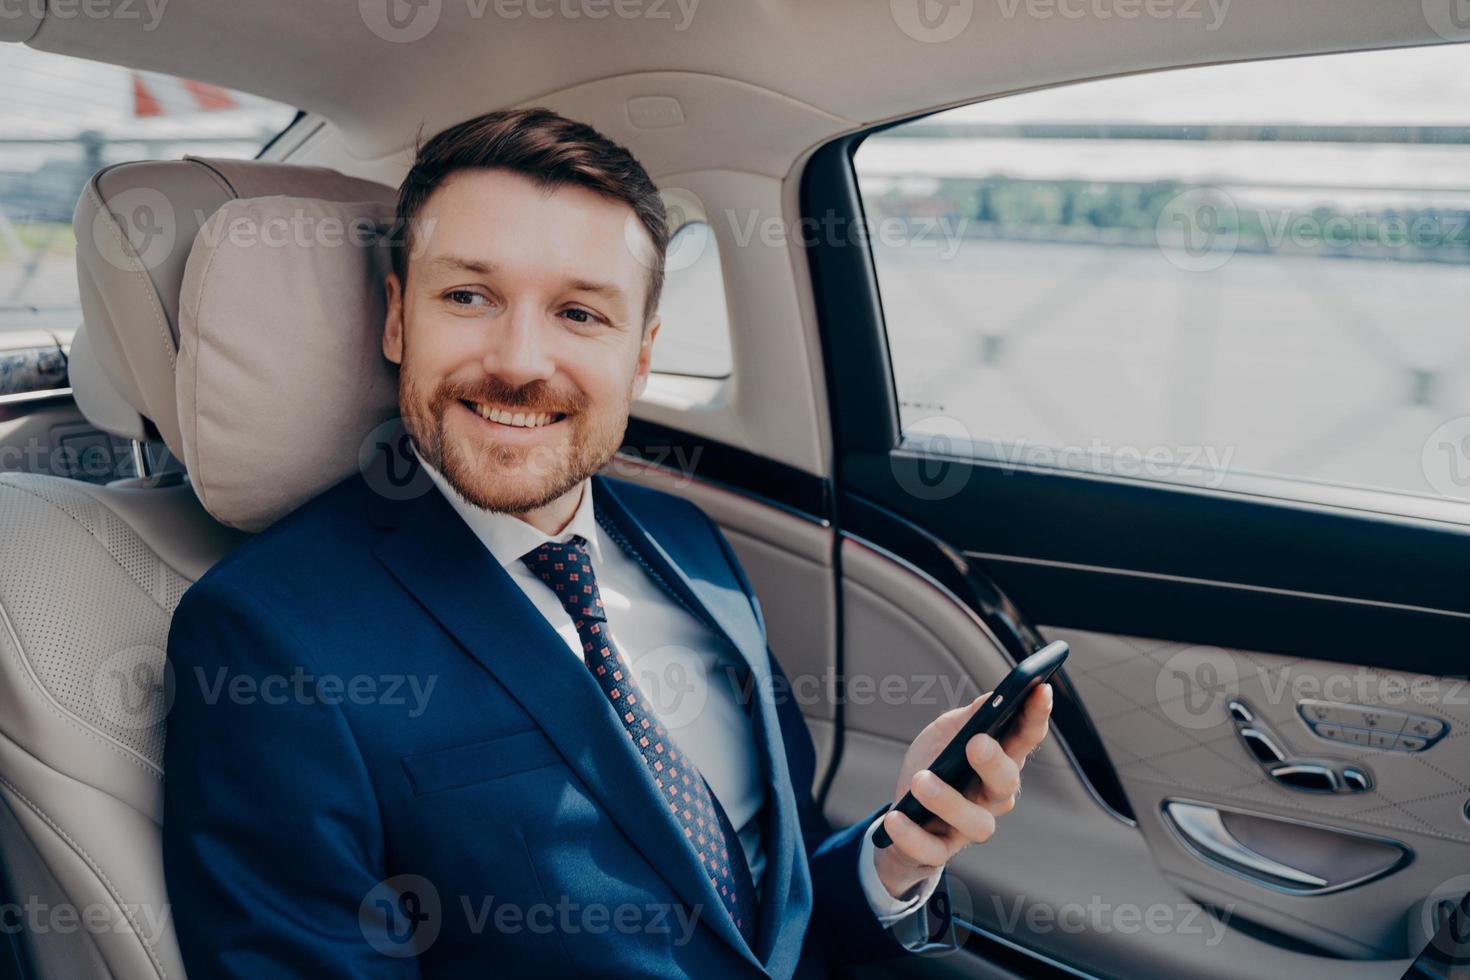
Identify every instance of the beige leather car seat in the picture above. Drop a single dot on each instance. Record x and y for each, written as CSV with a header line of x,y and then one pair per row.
x,y
90,577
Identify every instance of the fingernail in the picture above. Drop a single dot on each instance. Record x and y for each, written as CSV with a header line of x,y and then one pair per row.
x,y
926,784
986,748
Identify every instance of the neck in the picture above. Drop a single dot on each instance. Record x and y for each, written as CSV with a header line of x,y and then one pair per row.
x,y
552,518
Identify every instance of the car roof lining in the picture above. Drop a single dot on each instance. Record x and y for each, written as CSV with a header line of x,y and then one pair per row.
x,y
838,65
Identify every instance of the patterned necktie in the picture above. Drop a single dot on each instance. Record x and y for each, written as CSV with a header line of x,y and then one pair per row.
x,y
567,568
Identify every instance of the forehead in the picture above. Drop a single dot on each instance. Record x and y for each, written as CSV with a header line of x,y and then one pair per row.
x,y
508,220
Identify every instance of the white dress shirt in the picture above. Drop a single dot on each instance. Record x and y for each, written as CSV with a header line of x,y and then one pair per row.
x,y
684,669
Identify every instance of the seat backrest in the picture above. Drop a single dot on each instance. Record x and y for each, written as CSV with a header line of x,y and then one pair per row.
x,y
90,579
91,576
135,226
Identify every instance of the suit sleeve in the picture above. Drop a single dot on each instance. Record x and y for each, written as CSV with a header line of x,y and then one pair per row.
x,y
272,841
844,928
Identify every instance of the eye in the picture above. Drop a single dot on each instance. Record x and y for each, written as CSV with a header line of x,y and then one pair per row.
x,y
578,315
465,297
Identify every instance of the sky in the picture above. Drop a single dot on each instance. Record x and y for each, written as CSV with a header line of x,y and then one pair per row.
x,y
1412,86
49,95
1427,86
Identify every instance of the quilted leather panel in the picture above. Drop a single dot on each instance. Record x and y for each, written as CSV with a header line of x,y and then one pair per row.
x,y
72,641
1160,709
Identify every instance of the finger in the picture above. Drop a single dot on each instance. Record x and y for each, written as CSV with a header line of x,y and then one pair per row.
x,y
914,842
1000,776
956,717
1031,728
959,716
967,819
948,725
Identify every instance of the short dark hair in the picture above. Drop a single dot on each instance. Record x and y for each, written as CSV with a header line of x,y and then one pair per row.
x,y
547,147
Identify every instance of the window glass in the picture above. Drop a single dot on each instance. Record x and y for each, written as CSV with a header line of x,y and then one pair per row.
x,y
63,119
694,338
1191,275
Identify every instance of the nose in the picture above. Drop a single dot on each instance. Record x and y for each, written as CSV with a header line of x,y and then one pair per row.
x,y
518,353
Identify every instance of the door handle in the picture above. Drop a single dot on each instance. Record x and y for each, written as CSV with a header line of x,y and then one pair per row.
x,y
1202,828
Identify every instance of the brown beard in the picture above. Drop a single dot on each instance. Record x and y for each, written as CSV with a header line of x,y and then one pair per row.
x,y
553,472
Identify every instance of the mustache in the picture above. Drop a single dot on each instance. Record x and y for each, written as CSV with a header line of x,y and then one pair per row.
x,y
537,396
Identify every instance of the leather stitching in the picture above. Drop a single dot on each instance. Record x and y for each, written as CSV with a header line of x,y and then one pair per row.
x,y
96,869
159,320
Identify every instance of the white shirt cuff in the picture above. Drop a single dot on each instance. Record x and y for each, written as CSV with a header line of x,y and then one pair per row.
x,y
887,908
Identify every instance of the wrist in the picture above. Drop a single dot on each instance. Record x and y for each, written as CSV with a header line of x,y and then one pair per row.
x,y
900,876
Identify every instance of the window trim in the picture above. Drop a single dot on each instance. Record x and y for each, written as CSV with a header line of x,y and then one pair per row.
x,y
260,153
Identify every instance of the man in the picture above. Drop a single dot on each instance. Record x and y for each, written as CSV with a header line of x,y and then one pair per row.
x,y
533,805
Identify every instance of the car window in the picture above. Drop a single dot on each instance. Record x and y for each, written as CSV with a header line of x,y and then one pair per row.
x,y
63,119
1190,275
694,338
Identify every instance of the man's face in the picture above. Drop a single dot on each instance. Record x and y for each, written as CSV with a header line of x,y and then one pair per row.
x,y
520,336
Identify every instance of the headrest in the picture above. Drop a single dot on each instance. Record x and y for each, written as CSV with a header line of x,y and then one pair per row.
x,y
281,379
135,225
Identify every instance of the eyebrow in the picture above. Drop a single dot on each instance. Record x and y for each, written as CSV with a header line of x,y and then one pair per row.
x,y
455,263
458,263
599,288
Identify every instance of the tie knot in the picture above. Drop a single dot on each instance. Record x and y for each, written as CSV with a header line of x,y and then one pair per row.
x,y
566,567
576,545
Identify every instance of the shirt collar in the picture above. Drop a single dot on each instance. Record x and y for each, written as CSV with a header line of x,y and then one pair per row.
x,y
507,536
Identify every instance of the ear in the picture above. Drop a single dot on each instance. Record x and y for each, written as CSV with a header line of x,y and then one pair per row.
x,y
393,321
645,358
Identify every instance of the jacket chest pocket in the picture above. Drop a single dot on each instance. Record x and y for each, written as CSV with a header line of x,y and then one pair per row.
x,y
465,765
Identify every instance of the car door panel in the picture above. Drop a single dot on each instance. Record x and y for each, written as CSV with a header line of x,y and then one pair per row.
x,y
1159,706
1167,748
1064,876
1244,570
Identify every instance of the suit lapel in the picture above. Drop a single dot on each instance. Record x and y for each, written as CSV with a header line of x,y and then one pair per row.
x,y
440,561
683,561
718,599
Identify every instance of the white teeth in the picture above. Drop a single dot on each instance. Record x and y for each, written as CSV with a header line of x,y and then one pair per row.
x,y
518,419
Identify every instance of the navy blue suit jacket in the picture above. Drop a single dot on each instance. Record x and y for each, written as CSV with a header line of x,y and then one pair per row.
x,y
329,813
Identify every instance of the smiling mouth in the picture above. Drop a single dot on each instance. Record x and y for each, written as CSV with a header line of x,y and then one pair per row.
x,y
515,418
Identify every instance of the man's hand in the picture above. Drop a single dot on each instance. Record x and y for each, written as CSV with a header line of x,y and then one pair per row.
x,y
916,853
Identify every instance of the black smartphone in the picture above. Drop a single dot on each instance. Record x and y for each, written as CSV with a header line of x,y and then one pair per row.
x,y
993,718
